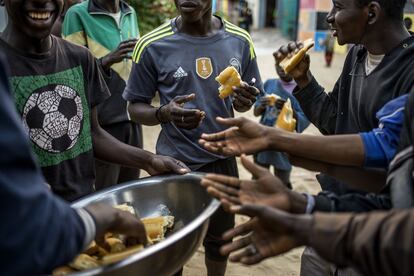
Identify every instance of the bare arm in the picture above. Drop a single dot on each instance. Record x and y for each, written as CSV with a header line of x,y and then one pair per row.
x,y
143,113
358,178
173,112
111,150
248,137
346,150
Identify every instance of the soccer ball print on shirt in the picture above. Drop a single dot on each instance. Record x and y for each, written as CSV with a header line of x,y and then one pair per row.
x,y
53,118
55,113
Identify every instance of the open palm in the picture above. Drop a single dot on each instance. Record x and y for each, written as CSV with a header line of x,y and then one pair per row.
x,y
243,136
271,232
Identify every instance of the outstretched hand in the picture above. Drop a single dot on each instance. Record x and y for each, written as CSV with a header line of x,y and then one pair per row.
x,y
243,136
160,164
265,189
270,232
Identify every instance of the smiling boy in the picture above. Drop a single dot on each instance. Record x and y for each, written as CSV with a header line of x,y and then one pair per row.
x,y
57,86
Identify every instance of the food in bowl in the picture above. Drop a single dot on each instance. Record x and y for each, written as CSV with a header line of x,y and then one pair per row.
x,y
116,248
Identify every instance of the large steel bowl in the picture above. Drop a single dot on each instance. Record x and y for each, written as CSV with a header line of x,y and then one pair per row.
x,y
187,201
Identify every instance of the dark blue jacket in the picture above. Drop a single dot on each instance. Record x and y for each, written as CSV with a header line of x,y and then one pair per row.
x,y
38,231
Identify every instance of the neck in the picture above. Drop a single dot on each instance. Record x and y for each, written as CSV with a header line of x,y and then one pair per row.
x,y
390,36
205,26
111,6
16,39
286,81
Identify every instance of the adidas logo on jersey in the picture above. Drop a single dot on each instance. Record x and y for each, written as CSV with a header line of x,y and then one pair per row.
x,y
180,73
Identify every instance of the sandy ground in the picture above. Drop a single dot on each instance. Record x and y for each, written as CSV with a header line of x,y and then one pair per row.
x,y
288,264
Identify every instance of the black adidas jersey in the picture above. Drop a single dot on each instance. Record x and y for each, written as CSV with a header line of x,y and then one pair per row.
x,y
176,64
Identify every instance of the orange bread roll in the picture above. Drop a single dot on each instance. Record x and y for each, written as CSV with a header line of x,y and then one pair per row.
x,y
273,98
288,64
227,79
157,226
285,119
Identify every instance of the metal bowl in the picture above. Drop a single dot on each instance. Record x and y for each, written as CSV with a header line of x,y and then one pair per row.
x,y
188,202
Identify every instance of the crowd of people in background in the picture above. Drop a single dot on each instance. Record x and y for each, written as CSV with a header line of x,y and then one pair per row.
x,y
83,80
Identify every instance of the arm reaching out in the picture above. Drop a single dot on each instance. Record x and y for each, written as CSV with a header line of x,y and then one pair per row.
x,y
111,150
246,136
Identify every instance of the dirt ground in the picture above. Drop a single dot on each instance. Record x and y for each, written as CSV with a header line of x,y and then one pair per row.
x,y
303,181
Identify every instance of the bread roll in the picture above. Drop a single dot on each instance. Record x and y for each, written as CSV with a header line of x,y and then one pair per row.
x,y
116,257
288,64
157,226
83,262
285,119
228,78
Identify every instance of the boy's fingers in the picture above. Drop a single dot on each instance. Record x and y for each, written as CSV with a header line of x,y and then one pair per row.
x,y
254,169
223,179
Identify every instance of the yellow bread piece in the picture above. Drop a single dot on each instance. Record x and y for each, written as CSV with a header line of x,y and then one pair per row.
x,y
125,207
228,78
83,262
115,245
288,64
63,270
285,119
273,98
157,226
116,257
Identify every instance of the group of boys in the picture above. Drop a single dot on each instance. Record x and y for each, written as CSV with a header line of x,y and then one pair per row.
x,y
64,94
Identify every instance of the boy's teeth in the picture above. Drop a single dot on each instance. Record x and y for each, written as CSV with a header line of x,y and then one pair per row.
x,y
39,15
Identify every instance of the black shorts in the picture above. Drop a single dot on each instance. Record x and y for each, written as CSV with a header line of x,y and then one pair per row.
x,y
220,221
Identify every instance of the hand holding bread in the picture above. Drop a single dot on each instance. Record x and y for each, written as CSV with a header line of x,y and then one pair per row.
x,y
293,57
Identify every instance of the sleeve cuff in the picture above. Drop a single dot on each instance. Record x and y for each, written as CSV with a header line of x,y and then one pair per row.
x,y
90,227
310,205
323,204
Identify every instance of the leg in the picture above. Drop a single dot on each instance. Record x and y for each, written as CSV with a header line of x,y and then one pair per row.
x,y
220,222
284,175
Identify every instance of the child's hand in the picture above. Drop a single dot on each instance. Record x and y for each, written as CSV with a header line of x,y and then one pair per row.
x,y
265,101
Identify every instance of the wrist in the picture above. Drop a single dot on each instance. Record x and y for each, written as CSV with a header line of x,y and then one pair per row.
x,y
163,114
160,115
298,202
106,63
304,80
145,160
301,226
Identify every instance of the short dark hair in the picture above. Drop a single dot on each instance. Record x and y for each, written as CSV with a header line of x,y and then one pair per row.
x,y
393,8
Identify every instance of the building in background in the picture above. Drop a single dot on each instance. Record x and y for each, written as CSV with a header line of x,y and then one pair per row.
x,y
286,17
312,23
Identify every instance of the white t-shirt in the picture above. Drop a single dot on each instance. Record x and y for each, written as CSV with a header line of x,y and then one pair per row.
x,y
371,62
116,16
